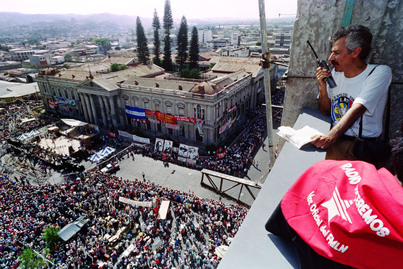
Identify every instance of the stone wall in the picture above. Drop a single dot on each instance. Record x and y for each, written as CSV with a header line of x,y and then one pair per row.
x,y
316,21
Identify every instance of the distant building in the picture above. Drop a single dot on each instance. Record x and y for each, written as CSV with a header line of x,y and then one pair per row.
x,y
40,61
205,36
217,43
236,39
8,65
20,54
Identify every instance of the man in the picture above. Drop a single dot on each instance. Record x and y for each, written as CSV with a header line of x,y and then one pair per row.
x,y
361,90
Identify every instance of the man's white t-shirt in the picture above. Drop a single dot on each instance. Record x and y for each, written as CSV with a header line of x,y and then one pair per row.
x,y
369,90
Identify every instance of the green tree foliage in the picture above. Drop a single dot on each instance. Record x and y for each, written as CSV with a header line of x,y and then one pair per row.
x,y
103,43
184,73
51,237
190,73
194,49
168,24
211,65
157,43
195,73
67,57
182,43
117,67
5,48
142,47
29,259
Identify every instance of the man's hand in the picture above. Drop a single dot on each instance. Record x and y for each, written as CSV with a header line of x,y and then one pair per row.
x,y
322,73
352,115
322,141
324,101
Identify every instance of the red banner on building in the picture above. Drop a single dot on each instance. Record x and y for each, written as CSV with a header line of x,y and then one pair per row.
x,y
110,134
165,118
150,112
187,119
52,104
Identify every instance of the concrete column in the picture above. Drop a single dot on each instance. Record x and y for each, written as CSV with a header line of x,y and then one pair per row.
x,y
107,111
87,103
122,116
94,110
101,103
113,112
84,107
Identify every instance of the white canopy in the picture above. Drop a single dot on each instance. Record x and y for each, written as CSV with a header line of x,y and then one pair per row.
x,y
73,122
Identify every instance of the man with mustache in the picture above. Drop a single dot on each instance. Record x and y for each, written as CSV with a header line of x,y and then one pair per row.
x,y
361,93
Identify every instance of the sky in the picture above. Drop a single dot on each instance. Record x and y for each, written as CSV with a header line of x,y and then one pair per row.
x,y
191,9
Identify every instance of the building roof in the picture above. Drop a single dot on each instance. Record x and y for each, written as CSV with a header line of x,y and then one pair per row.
x,y
160,83
15,90
235,64
102,70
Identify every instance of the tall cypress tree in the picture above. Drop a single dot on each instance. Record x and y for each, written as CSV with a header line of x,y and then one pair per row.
x,y
168,24
182,43
157,45
194,49
142,47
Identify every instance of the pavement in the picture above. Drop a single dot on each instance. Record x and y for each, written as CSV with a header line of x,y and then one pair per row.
x,y
185,179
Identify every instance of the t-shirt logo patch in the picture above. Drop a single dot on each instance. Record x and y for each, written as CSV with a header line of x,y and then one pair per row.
x,y
340,106
337,206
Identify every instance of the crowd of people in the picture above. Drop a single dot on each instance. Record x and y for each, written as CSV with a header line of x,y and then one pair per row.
x,y
187,238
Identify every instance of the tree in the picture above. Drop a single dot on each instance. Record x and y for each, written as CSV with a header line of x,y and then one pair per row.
x,y
195,73
29,259
51,237
117,67
168,24
182,43
103,43
157,45
67,57
142,45
194,49
117,48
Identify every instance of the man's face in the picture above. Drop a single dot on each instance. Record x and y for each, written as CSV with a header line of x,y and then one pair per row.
x,y
340,57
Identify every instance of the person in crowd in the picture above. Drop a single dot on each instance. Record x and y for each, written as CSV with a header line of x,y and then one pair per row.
x,y
359,97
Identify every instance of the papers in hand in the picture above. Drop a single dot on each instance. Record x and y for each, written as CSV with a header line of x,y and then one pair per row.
x,y
299,137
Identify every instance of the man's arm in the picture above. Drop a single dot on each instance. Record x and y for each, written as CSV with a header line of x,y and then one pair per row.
x,y
324,100
351,116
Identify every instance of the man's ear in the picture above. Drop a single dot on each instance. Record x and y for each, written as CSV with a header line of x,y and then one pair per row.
x,y
356,52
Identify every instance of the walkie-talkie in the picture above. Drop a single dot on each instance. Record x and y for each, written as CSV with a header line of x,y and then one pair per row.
x,y
330,80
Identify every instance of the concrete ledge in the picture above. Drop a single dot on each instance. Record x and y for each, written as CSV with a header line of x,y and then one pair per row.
x,y
253,246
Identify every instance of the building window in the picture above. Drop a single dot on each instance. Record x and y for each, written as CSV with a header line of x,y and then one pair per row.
x,y
182,130
198,136
169,110
159,126
181,111
157,107
170,132
148,125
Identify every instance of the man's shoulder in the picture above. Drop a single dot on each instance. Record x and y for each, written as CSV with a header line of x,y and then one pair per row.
x,y
379,68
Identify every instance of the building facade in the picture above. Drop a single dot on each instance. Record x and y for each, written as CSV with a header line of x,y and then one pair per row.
x,y
196,112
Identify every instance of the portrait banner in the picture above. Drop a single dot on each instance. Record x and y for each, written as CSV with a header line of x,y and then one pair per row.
x,y
159,144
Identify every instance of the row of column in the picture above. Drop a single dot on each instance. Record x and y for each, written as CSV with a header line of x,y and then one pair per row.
x,y
107,110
